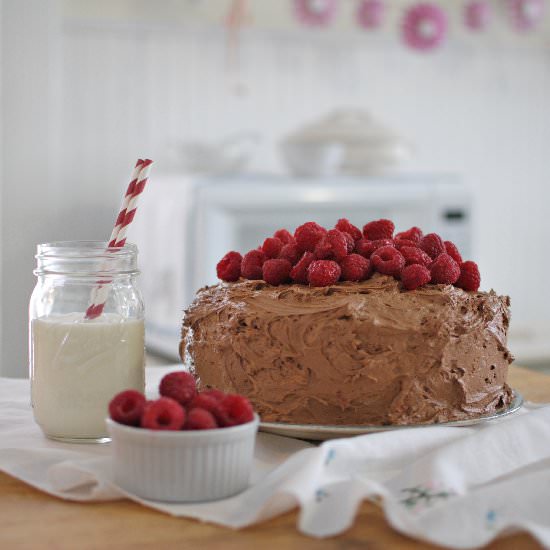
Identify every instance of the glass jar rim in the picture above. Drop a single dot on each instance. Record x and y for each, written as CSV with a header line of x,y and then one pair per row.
x,y
87,249
86,259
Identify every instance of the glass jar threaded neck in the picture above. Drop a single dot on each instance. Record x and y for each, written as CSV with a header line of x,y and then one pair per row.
x,y
85,259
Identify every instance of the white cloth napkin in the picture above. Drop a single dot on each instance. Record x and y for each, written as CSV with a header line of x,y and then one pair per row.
x,y
457,487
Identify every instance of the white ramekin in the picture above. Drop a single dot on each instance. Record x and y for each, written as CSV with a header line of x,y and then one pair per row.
x,y
183,466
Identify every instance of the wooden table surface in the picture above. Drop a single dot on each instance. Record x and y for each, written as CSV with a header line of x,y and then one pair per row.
x,y
31,519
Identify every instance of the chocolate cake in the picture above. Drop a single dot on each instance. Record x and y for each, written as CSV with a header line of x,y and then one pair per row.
x,y
352,353
345,326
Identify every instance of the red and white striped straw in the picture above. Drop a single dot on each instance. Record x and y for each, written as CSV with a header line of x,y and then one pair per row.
x,y
118,235
121,215
126,199
131,206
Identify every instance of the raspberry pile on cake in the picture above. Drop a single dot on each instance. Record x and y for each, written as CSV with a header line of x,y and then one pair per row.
x,y
347,326
321,257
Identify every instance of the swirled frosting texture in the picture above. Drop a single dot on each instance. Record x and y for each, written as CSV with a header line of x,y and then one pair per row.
x,y
352,353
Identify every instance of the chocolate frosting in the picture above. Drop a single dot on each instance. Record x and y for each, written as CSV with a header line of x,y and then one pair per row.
x,y
352,353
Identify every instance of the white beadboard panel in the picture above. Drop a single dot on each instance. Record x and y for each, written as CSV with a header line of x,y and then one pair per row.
x,y
29,33
139,89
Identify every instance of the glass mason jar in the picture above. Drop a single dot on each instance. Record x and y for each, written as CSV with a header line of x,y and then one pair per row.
x,y
77,364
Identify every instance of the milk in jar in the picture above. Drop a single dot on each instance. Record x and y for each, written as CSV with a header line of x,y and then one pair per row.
x,y
78,363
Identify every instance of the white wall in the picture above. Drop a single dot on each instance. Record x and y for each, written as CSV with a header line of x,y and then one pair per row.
x,y
29,204
85,96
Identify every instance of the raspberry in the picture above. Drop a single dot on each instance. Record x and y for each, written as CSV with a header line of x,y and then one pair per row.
x,y
414,276
444,270
323,249
216,394
453,252
388,261
238,409
299,271
229,267
379,229
200,419
163,414
323,273
400,243
355,268
432,245
180,386
345,226
251,266
366,247
414,255
272,247
211,402
308,235
413,234
276,272
332,246
291,253
350,242
284,236
470,278
379,243
127,407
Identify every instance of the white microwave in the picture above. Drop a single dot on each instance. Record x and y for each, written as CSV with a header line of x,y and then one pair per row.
x,y
186,225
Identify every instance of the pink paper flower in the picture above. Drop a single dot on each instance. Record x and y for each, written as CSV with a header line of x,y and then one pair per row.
x,y
526,14
424,26
477,14
316,13
370,13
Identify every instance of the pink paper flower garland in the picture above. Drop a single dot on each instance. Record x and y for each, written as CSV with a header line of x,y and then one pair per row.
x,y
477,14
526,14
316,13
424,27
370,14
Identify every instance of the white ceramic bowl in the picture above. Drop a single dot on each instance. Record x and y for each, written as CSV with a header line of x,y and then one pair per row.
x,y
183,466
312,160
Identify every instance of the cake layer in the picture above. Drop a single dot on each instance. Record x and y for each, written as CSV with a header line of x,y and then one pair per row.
x,y
352,353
